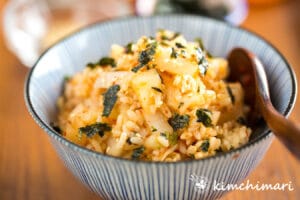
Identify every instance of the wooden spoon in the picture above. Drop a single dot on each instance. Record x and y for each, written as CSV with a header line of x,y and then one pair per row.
x,y
248,70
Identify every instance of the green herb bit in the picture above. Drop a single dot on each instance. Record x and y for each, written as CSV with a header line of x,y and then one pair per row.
x,y
232,98
209,54
145,56
96,128
55,127
174,53
164,43
79,136
151,48
198,89
202,62
110,98
64,84
180,105
183,53
179,45
175,35
136,153
137,68
153,129
91,65
157,89
173,138
164,135
164,37
128,48
203,116
200,43
179,121
205,146
107,61
67,78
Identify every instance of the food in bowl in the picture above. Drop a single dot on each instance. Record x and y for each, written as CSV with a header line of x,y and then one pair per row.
x,y
159,99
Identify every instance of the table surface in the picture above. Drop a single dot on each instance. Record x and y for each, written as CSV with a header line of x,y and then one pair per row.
x,y
30,168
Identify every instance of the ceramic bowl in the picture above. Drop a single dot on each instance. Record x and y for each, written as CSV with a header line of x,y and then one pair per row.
x,y
117,178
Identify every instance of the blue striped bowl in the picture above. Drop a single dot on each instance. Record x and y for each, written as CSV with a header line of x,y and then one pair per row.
x,y
117,178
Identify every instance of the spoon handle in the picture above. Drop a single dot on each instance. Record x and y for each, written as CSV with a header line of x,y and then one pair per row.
x,y
250,72
285,130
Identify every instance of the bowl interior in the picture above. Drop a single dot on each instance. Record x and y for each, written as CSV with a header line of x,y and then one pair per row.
x,y
70,55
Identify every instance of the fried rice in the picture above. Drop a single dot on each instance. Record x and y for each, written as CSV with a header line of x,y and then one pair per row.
x,y
161,98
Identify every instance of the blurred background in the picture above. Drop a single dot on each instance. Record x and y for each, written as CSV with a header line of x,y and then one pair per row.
x,y
29,167
31,26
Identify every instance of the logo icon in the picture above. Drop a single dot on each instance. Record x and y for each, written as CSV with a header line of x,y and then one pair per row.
x,y
200,182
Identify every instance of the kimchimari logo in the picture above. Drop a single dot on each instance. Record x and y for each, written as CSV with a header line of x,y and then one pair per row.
x,y
202,183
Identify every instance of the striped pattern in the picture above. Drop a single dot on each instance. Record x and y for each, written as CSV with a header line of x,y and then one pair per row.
x,y
119,179
116,178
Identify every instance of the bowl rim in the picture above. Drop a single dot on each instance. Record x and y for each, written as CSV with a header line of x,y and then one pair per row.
x,y
46,126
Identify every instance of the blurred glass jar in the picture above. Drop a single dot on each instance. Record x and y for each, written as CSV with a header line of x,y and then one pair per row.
x,y
30,26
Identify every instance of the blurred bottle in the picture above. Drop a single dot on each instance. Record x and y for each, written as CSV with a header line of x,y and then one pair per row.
x,y
30,26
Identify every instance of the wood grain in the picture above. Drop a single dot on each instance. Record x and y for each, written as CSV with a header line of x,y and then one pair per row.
x,y
30,168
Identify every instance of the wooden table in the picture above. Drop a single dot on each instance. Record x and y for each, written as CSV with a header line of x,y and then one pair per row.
x,y
30,168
